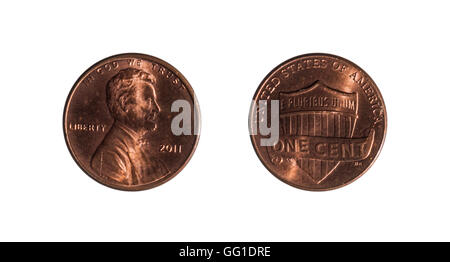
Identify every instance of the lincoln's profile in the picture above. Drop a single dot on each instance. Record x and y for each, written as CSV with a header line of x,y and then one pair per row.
x,y
124,154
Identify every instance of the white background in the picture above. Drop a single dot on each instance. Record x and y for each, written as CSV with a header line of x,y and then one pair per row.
x,y
224,50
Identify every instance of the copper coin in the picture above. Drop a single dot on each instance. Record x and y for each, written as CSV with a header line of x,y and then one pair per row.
x,y
131,121
317,122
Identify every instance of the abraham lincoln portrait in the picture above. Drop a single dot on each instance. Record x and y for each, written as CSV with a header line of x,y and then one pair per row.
x,y
125,155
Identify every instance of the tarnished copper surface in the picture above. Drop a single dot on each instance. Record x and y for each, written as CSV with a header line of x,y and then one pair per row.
x,y
117,122
332,122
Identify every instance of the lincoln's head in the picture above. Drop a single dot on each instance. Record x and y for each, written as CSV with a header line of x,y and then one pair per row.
x,y
131,98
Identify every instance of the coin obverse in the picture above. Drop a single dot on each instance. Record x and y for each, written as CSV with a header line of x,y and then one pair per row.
x,y
325,120
119,122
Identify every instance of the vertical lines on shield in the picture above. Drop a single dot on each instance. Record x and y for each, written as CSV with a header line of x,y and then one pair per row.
x,y
324,131
318,126
347,126
304,132
283,125
331,133
338,125
298,132
311,133
350,126
310,117
292,124
317,132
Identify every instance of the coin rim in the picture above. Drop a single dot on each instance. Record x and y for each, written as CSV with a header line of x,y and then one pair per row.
x,y
151,59
252,137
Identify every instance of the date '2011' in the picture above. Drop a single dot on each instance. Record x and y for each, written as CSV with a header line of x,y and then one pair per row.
x,y
170,148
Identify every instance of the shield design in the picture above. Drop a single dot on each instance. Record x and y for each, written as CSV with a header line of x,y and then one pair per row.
x,y
318,111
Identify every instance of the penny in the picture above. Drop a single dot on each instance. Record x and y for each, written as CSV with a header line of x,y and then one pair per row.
x,y
131,122
317,122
